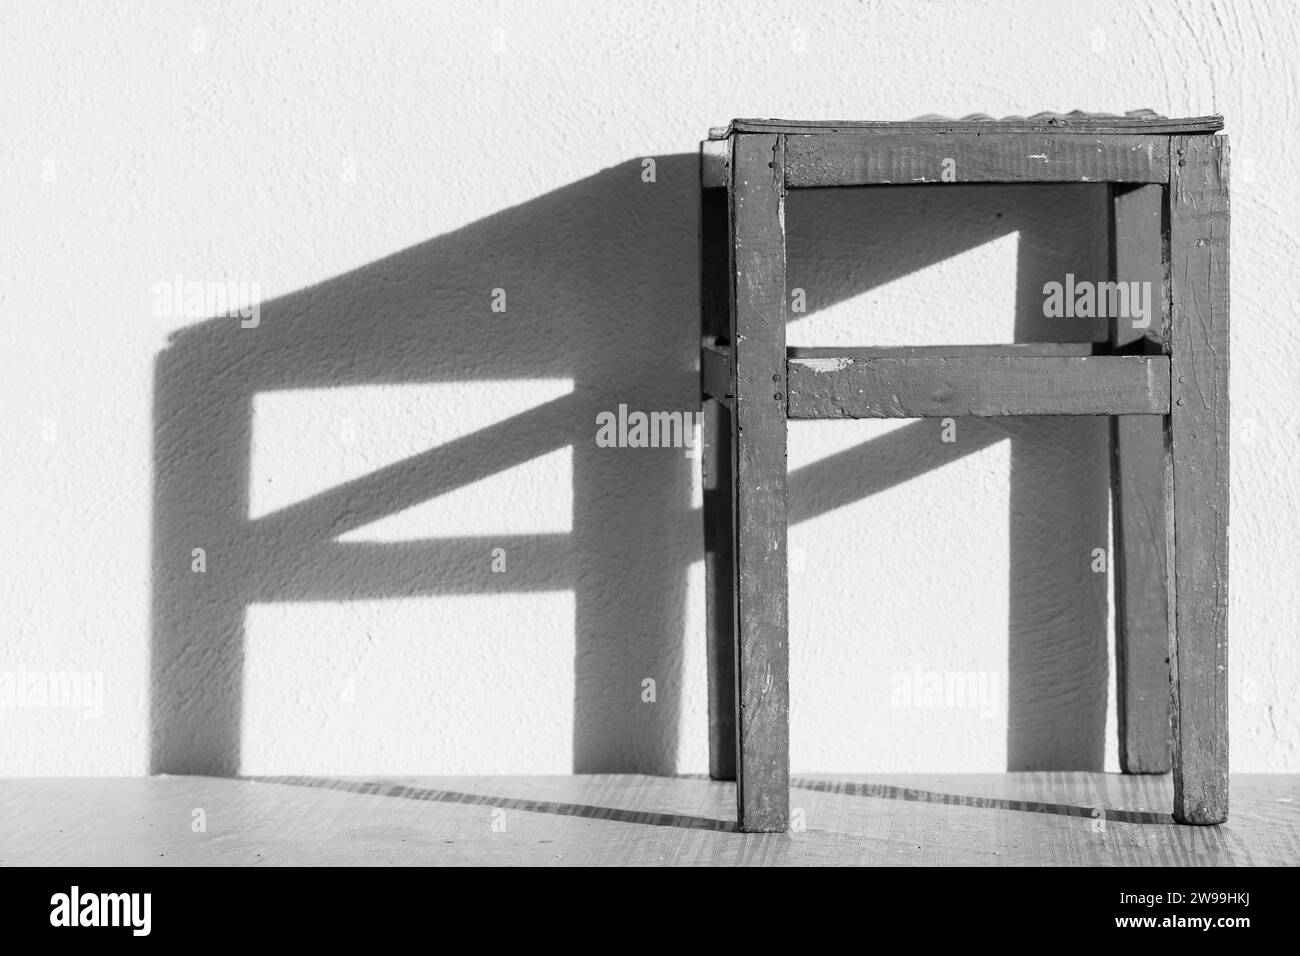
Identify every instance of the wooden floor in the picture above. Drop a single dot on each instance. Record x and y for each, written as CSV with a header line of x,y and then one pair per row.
x,y
995,819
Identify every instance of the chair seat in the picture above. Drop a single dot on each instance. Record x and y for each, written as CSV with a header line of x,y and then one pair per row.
x,y
1137,122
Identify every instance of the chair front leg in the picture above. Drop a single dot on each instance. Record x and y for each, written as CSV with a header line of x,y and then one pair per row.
x,y
759,439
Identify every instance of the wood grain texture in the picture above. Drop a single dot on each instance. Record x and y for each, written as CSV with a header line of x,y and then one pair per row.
x,y
991,157
1023,349
1023,819
1092,124
1196,491
1137,494
758,322
986,386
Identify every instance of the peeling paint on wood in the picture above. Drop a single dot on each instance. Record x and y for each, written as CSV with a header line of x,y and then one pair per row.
x,y
995,157
762,612
1141,121
984,386
1196,489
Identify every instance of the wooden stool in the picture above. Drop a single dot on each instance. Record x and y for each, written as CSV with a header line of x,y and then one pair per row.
x,y
1167,385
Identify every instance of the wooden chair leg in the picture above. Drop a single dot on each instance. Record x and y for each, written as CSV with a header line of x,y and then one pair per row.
x,y
716,466
1141,626
1196,490
759,439
719,587
1137,485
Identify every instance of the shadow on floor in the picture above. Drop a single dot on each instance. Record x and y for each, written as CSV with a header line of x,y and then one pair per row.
x,y
883,791
586,811
688,822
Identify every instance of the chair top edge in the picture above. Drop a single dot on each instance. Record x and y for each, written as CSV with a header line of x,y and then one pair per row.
x,y
1137,122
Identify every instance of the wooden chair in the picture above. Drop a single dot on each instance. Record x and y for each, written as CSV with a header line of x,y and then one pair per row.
x,y
1167,385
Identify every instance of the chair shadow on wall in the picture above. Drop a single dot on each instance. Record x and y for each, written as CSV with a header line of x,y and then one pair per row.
x,y
602,285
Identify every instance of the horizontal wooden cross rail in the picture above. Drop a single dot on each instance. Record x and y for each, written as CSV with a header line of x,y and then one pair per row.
x,y
1023,349
981,386
906,158
1051,378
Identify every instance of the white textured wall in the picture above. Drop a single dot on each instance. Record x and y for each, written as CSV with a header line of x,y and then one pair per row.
x,y
379,170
